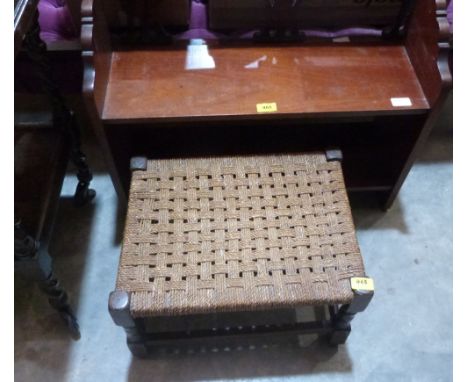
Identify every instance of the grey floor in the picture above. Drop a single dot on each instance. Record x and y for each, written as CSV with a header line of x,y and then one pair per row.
x,y
405,335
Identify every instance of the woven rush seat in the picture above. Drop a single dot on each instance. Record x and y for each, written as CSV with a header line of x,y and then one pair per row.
x,y
238,234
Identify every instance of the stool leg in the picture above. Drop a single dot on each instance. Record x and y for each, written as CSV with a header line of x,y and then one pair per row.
x,y
119,309
138,164
334,154
342,320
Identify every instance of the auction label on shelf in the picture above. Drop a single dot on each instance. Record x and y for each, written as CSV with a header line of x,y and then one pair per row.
x,y
362,283
267,107
401,101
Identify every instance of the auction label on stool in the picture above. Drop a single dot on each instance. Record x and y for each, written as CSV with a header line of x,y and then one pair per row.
x,y
362,283
267,107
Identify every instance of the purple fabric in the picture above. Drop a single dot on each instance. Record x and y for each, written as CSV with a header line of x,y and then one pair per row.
x,y
198,19
57,24
450,14
198,28
56,21
344,32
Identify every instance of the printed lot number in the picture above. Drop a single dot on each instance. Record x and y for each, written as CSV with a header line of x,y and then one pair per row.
x,y
362,283
267,107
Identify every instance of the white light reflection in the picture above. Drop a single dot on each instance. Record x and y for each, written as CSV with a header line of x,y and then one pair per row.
x,y
255,64
198,56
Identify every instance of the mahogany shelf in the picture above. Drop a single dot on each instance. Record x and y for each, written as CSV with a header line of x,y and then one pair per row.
x,y
374,98
303,81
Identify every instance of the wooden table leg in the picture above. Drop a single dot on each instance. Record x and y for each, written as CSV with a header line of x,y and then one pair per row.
x,y
34,262
63,117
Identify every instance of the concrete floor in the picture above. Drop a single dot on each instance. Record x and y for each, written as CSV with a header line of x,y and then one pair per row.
x,y
405,335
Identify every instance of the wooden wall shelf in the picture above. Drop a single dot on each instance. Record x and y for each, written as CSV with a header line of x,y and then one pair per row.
x,y
186,100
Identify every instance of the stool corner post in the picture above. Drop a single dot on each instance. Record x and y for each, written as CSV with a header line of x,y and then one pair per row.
x,y
138,163
119,308
361,299
334,154
342,321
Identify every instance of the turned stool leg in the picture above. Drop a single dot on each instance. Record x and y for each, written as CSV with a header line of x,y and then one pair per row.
x,y
341,322
119,309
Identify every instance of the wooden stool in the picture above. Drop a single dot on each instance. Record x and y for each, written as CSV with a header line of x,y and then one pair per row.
x,y
220,236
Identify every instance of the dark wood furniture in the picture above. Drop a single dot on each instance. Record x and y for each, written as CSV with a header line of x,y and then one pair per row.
x,y
40,164
241,14
375,98
228,247
43,148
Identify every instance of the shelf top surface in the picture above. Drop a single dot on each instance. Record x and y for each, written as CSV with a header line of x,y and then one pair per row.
x,y
201,81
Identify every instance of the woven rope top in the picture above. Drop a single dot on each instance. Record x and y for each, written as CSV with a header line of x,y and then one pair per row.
x,y
234,234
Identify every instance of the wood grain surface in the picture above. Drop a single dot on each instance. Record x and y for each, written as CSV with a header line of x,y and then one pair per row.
x,y
302,81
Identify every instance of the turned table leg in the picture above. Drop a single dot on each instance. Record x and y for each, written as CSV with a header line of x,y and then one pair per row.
x,y
63,117
35,263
